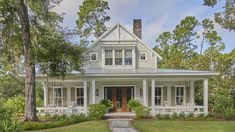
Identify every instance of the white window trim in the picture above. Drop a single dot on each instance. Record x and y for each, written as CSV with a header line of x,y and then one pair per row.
x,y
183,95
95,54
145,53
62,99
75,95
161,87
123,66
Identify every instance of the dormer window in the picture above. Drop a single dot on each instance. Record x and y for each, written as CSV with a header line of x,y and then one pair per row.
x,y
108,57
93,56
128,57
118,57
143,56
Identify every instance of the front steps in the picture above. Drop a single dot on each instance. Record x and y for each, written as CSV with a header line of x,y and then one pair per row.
x,y
120,115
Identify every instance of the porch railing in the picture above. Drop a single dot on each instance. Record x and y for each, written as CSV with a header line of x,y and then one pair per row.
x,y
60,110
179,109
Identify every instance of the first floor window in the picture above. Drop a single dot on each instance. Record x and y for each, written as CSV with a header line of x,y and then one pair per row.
x,y
128,57
58,96
158,95
118,57
108,57
80,97
179,95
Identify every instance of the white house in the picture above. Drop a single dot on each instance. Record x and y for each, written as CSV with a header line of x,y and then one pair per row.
x,y
122,67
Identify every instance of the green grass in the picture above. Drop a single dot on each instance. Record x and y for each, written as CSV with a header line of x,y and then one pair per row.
x,y
89,126
184,126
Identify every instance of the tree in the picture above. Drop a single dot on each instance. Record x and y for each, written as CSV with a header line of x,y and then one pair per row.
x,y
225,18
92,17
34,40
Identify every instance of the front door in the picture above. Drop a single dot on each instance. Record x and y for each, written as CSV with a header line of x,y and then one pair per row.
x,y
119,97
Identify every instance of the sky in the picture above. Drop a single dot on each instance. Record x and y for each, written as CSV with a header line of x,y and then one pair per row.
x,y
157,16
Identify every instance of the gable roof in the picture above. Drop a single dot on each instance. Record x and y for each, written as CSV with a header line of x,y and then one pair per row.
x,y
117,30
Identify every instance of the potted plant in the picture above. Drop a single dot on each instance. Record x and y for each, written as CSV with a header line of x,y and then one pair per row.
x,y
132,104
107,103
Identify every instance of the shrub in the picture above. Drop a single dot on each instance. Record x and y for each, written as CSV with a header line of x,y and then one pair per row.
x,y
17,104
174,116
97,111
132,104
8,122
223,107
142,112
107,103
57,121
182,116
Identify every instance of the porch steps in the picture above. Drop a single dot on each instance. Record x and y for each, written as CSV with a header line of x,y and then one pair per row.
x,y
120,115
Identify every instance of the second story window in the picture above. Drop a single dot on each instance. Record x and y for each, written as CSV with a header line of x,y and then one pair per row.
x,y
118,57
108,57
93,56
128,57
143,56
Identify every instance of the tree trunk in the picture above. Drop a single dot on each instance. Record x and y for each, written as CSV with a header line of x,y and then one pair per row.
x,y
30,99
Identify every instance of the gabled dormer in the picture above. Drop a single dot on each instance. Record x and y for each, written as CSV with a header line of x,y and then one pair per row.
x,y
119,48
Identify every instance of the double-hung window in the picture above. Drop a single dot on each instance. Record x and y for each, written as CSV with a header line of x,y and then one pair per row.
x,y
58,96
108,57
118,57
179,95
79,97
143,56
128,57
158,95
93,56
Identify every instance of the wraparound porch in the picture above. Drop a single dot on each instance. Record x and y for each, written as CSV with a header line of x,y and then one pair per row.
x,y
162,95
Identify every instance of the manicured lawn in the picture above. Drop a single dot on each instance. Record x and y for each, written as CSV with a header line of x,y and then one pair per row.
x,y
184,126
89,126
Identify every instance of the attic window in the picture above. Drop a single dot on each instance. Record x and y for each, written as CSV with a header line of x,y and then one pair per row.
x,y
93,56
143,56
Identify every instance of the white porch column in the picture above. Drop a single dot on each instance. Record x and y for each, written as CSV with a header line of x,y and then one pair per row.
x,y
205,96
45,90
153,96
68,96
85,95
192,92
145,99
169,95
93,91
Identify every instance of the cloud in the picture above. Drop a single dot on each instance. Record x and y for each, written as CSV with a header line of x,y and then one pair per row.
x,y
157,15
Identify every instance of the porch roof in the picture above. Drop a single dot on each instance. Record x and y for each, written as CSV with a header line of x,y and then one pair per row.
x,y
142,71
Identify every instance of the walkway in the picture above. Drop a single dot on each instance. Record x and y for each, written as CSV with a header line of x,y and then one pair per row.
x,y
121,125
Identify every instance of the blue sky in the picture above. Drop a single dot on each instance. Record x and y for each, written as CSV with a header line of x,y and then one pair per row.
x,y
157,16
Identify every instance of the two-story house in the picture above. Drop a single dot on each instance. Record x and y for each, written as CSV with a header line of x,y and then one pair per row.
x,y
122,67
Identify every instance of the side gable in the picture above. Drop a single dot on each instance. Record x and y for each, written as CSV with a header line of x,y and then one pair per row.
x,y
121,34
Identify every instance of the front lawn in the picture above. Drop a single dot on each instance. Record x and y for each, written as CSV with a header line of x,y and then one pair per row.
x,y
89,126
184,126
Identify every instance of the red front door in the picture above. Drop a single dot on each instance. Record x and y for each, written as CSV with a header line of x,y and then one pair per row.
x,y
119,97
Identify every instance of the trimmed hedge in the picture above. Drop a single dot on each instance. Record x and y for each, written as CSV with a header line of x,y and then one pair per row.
x,y
58,121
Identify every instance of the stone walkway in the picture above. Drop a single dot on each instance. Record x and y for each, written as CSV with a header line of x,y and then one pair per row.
x,y
119,125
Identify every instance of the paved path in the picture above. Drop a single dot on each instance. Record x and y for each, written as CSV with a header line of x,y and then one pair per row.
x,y
118,125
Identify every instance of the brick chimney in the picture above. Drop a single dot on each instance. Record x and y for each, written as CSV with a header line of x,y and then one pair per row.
x,y
137,28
